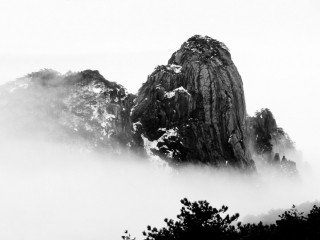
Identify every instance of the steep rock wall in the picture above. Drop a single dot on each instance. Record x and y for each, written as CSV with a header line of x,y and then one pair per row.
x,y
194,107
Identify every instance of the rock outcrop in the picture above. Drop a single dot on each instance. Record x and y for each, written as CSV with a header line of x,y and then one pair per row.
x,y
265,135
268,141
193,109
82,107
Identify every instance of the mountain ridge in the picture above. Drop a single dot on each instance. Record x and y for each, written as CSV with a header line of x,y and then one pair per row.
x,y
191,110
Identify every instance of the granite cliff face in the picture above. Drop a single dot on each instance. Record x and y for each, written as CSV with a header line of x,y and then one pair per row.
x,y
193,109
76,107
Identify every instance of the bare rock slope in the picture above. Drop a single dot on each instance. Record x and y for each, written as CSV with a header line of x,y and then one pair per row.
x,y
193,109
75,107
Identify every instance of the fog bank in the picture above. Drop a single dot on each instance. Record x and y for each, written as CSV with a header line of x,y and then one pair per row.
x,y
50,191
55,185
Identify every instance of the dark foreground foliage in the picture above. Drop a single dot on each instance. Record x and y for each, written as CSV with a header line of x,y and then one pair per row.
x,y
200,221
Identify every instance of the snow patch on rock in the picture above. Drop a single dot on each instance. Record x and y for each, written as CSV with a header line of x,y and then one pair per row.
x,y
135,126
171,94
155,160
175,68
96,89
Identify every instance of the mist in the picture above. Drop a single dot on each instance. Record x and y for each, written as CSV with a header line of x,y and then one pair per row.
x,y
55,186
53,190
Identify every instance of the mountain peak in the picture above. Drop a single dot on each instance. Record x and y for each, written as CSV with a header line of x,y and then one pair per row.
x,y
203,49
201,44
193,109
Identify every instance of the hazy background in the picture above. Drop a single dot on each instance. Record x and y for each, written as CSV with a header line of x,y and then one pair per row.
x,y
274,44
53,191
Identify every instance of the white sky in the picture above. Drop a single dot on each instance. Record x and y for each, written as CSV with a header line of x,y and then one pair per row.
x,y
275,45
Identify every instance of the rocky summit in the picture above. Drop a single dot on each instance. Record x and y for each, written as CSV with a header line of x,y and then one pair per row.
x,y
193,109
